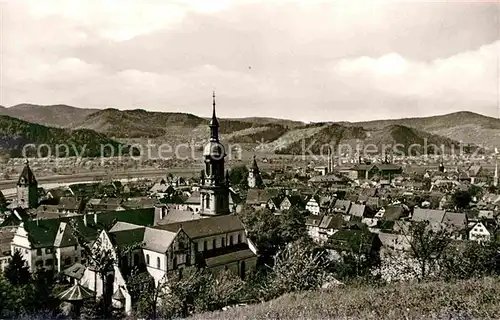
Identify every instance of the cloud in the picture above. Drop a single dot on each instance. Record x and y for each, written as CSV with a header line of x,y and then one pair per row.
x,y
311,60
463,78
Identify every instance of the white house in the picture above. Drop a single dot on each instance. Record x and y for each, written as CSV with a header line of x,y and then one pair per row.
x,y
479,233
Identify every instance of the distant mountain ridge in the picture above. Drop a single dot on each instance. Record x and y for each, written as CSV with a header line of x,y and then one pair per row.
x,y
59,115
269,134
15,134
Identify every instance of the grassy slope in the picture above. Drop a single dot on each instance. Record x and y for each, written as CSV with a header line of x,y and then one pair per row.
x,y
438,300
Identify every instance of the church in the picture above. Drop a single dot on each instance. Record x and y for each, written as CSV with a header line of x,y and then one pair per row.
x,y
213,237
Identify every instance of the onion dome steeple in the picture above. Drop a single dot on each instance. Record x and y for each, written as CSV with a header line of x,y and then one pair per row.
x,y
214,123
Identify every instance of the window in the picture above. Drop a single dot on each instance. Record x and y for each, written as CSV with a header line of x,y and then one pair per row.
x,y
222,242
214,244
147,259
208,201
158,263
205,247
136,259
76,259
76,247
67,261
49,262
230,240
84,261
39,263
38,252
195,246
239,238
174,263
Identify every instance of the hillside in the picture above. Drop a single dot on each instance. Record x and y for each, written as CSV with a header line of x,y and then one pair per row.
x,y
397,138
15,134
49,115
463,126
471,299
138,123
280,135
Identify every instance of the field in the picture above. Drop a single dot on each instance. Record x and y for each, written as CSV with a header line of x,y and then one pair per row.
x,y
472,299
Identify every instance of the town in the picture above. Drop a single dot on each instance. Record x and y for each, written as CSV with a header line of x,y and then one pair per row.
x,y
249,159
96,239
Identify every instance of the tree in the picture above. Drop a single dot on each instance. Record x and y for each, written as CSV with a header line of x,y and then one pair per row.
x,y
461,199
359,253
298,266
238,176
17,271
146,296
184,289
471,259
427,244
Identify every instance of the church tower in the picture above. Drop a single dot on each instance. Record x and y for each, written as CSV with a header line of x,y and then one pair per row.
x,y
27,189
254,179
215,186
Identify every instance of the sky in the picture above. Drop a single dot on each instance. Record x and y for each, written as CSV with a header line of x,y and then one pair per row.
x,y
311,60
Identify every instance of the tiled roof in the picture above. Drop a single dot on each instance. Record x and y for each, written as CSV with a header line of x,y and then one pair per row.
x,y
206,226
332,222
457,220
257,196
314,220
357,210
433,216
229,257
393,212
128,237
195,198
174,216
158,240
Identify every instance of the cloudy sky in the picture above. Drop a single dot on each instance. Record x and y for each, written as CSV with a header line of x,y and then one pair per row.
x,y
308,60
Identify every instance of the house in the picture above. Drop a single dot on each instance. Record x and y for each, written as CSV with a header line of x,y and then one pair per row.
x,y
382,170
357,210
194,202
456,221
50,243
312,226
257,198
394,212
477,174
294,201
313,206
479,233
219,243
432,216
6,236
328,226
70,205
331,179
342,206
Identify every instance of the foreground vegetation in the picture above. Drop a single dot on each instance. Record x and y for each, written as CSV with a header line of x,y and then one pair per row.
x,y
468,299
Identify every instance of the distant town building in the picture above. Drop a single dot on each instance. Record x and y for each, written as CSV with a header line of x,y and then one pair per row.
x,y
27,189
254,177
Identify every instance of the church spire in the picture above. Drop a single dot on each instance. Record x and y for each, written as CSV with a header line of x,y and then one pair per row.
x,y
214,123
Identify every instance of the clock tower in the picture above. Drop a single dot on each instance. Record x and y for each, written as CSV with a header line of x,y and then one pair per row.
x,y
214,187
27,189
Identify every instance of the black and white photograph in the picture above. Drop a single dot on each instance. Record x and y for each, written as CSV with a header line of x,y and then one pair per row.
x,y
249,159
